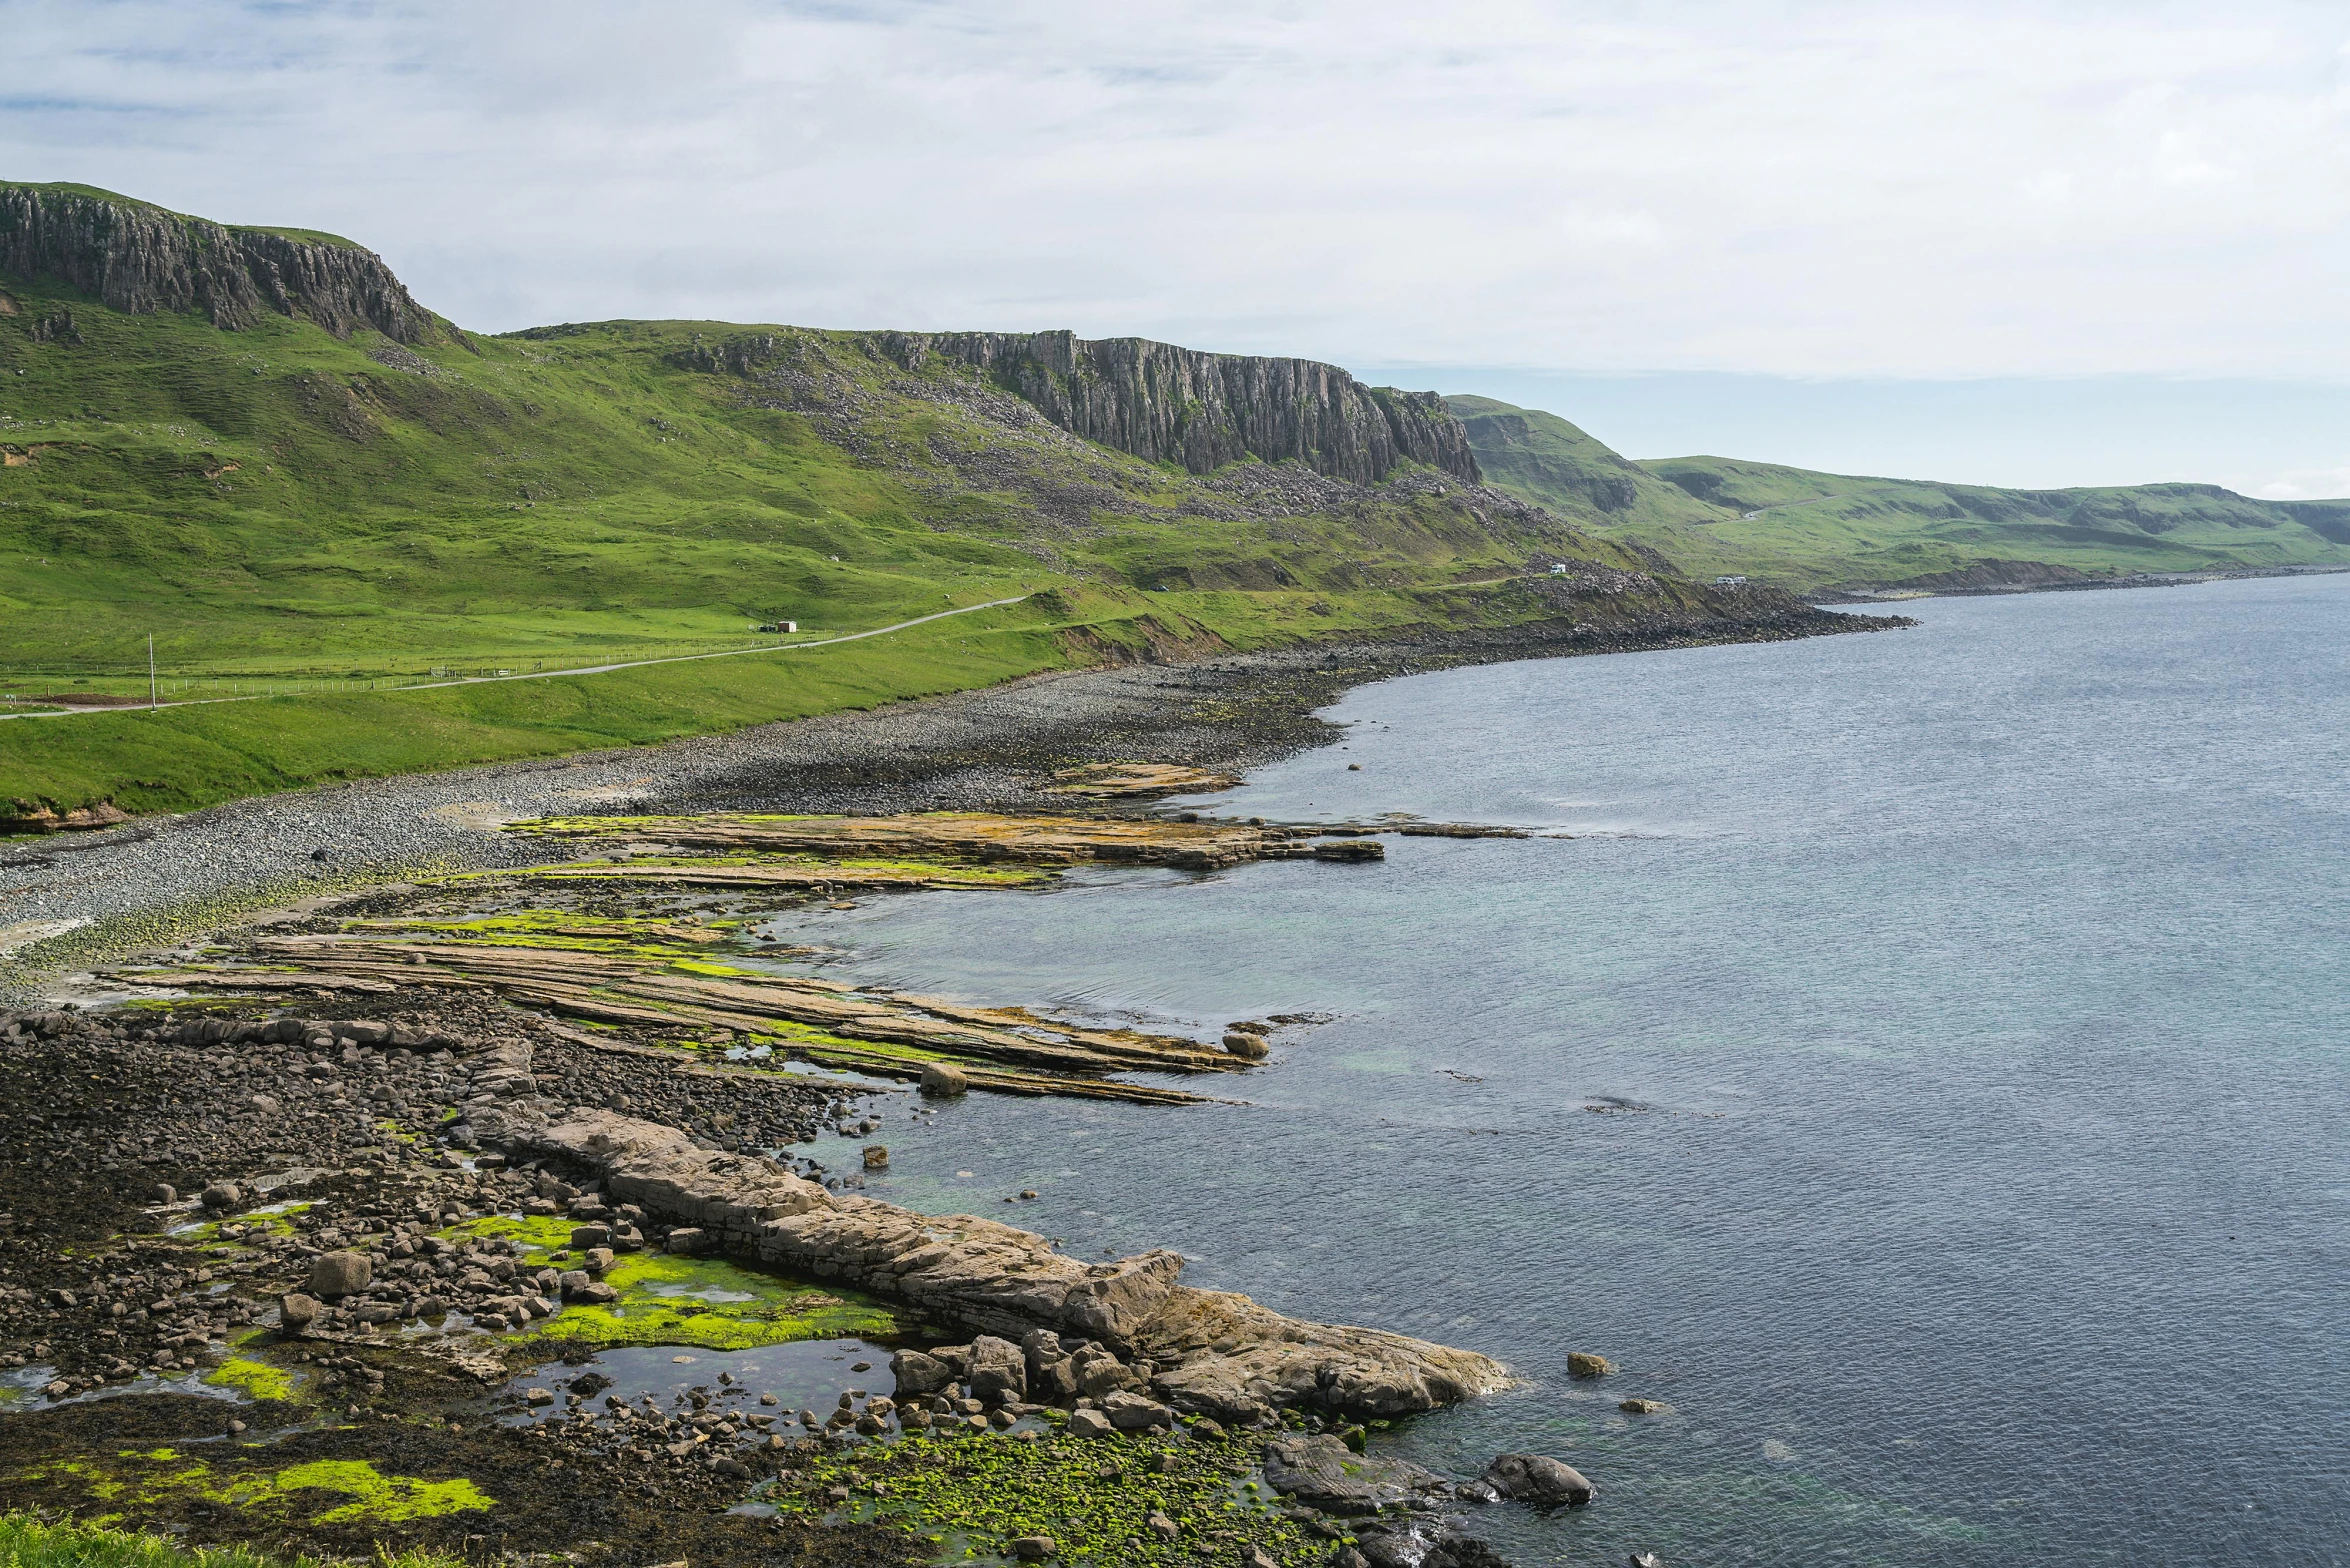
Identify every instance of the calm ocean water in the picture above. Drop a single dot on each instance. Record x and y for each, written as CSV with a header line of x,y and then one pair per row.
x,y
1924,1069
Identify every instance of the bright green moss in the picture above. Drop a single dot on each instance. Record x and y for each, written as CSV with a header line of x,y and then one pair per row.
x,y
27,1542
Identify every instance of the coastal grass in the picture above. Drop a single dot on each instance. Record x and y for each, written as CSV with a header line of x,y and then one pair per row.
x,y
320,521
27,1541
187,757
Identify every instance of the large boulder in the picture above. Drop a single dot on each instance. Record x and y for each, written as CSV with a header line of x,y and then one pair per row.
x,y
917,1373
1540,1480
1223,1355
1323,1473
999,1372
1130,1412
337,1274
1099,1373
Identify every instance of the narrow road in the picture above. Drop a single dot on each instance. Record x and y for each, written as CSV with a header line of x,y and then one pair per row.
x,y
585,669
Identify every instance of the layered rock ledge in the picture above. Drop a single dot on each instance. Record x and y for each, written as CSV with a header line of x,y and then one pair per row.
x,y
1213,1353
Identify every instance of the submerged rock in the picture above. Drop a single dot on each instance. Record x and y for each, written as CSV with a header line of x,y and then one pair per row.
x,y
1540,1480
1323,1473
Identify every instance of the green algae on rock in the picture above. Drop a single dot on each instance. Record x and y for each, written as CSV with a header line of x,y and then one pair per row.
x,y
141,1479
669,1299
1108,1500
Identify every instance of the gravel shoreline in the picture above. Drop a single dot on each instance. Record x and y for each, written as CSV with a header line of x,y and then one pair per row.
x,y
71,900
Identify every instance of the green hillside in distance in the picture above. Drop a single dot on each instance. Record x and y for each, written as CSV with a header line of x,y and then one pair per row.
x,y
1813,532
254,445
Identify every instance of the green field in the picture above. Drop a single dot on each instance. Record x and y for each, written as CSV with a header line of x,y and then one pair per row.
x,y
1809,531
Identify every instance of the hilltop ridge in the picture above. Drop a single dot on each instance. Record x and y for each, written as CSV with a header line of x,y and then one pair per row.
x,y
1814,532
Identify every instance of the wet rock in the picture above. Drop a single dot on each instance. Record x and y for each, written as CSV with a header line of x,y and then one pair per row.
x,y
222,1195
1033,1548
1163,1527
1641,1407
336,1274
1584,1363
1323,1473
1248,1047
296,1310
944,1080
1540,1480
1089,1423
876,1157
539,1396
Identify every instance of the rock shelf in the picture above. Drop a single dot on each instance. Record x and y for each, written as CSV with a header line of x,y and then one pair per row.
x,y
1007,1050
976,837
1213,1353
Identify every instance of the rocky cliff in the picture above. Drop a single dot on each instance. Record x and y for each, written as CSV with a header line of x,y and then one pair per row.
x,y
141,258
1180,405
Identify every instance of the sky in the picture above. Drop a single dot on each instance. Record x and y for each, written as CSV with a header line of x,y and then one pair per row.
x,y
2007,243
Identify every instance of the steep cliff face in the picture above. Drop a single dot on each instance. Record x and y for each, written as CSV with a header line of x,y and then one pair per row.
x,y
1201,410
140,258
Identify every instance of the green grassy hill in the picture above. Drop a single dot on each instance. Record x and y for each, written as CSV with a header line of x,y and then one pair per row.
x,y
252,445
1810,531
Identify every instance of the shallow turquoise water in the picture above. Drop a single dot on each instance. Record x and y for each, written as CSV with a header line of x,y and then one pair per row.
x,y
1925,1069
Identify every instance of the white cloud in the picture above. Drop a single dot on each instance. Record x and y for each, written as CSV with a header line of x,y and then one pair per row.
x,y
1802,188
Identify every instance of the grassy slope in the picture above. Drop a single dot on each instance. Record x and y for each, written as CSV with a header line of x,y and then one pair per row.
x,y
289,512
1833,530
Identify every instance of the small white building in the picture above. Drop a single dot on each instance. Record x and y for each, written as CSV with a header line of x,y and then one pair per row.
x,y
1729,582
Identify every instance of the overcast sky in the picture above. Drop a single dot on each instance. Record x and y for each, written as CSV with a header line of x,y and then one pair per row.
x,y
1772,207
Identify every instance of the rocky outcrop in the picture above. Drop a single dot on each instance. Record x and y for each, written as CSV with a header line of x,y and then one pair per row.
x,y
1178,405
140,258
1212,1353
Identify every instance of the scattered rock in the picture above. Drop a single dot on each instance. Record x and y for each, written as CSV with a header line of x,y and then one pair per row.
x,y
1584,1363
876,1157
686,1240
1248,1047
296,1310
1033,1548
222,1195
1641,1407
1089,1423
1130,1412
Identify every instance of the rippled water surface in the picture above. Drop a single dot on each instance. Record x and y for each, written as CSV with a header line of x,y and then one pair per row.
x,y
1924,1069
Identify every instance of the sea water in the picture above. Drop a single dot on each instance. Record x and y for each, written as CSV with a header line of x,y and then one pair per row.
x,y
1921,1064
